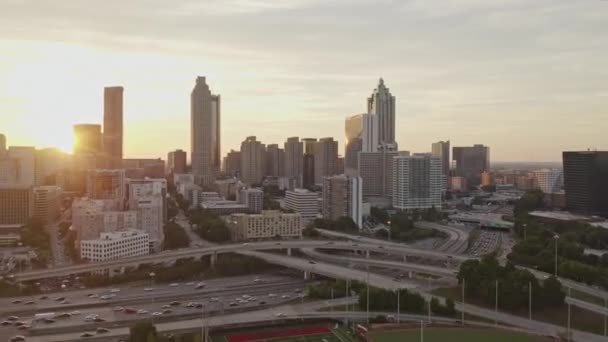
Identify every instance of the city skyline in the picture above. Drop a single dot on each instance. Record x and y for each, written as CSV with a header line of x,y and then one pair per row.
x,y
540,88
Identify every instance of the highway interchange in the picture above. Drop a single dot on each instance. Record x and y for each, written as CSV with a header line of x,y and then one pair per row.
x,y
364,252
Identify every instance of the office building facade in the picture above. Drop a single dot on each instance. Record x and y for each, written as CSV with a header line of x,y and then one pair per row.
x,y
176,161
549,181
47,203
275,160
205,138
113,127
471,161
303,202
326,159
417,182
16,205
441,150
253,157
294,158
266,225
343,197
115,245
586,181
232,163
361,136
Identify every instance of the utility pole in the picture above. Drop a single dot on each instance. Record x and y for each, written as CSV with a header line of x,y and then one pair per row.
x,y
496,305
347,304
569,292
530,300
462,309
398,307
367,295
605,320
421,331
331,307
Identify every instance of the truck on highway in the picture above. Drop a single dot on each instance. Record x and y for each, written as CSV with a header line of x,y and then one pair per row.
x,y
43,316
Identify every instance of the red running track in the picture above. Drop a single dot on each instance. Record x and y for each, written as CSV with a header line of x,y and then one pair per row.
x,y
274,334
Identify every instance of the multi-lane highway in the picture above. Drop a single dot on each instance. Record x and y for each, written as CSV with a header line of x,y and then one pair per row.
x,y
377,247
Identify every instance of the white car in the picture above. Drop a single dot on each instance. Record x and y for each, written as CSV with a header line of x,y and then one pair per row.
x,y
118,309
148,289
174,284
114,290
157,313
285,296
271,295
215,299
280,314
75,313
142,312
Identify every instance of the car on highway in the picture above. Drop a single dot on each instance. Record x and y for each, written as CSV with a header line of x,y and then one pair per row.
x,y
285,296
262,302
311,262
64,302
59,299
232,304
166,306
19,323
86,334
157,313
23,327
174,284
64,315
16,301
200,285
5,323
130,311
12,318
101,330
29,302
190,283
198,305
99,320
280,314
175,303
167,311
142,312
271,295
257,280
214,299
48,320
17,338
114,290
75,313
148,289
44,297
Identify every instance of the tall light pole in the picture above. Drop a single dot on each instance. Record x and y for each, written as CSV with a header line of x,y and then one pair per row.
x,y
389,229
421,331
530,300
462,310
496,304
555,237
398,306
525,232
569,293
367,315
605,318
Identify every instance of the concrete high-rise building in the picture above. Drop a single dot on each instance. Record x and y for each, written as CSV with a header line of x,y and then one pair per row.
x,y
376,171
113,126
252,198
361,136
143,188
417,182
87,139
471,162
549,181
47,203
275,160
308,162
106,185
9,171
382,104
144,167
303,202
115,245
326,159
586,181
294,159
149,209
49,162
232,163
441,150
205,109
16,205
2,146
176,161
253,163
26,159
343,196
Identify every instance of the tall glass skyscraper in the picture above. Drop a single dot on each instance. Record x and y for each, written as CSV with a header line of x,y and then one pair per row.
x,y
205,137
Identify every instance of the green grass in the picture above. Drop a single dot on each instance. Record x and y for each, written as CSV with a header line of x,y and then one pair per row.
x,y
580,319
453,335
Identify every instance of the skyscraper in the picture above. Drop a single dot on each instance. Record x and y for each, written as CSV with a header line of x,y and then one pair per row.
x,y
441,150
342,196
87,138
2,146
361,136
275,160
417,182
326,159
112,126
176,161
382,104
471,161
376,172
586,181
294,157
253,163
308,164
205,114
232,163
26,163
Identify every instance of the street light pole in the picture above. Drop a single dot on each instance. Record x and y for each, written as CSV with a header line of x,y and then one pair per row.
x,y
555,237
421,331
605,320
530,300
398,307
367,296
496,304
569,292
462,310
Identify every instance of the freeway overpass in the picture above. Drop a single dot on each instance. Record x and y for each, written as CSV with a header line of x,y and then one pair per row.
x,y
213,251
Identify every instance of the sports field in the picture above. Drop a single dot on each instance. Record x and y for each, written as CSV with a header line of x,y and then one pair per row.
x,y
321,333
453,335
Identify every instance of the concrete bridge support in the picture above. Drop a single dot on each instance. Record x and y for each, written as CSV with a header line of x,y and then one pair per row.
x,y
213,260
289,251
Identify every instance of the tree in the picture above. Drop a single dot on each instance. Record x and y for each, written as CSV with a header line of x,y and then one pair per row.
x,y
379,215
175,236
552,294
143,332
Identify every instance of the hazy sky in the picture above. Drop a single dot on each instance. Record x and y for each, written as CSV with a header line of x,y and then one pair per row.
x,y
529,78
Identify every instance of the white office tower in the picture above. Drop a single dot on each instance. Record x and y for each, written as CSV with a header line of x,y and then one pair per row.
x,y
149,211
417,182
205,114
115,245
382,104
549,181
303,202
343,196
252,198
